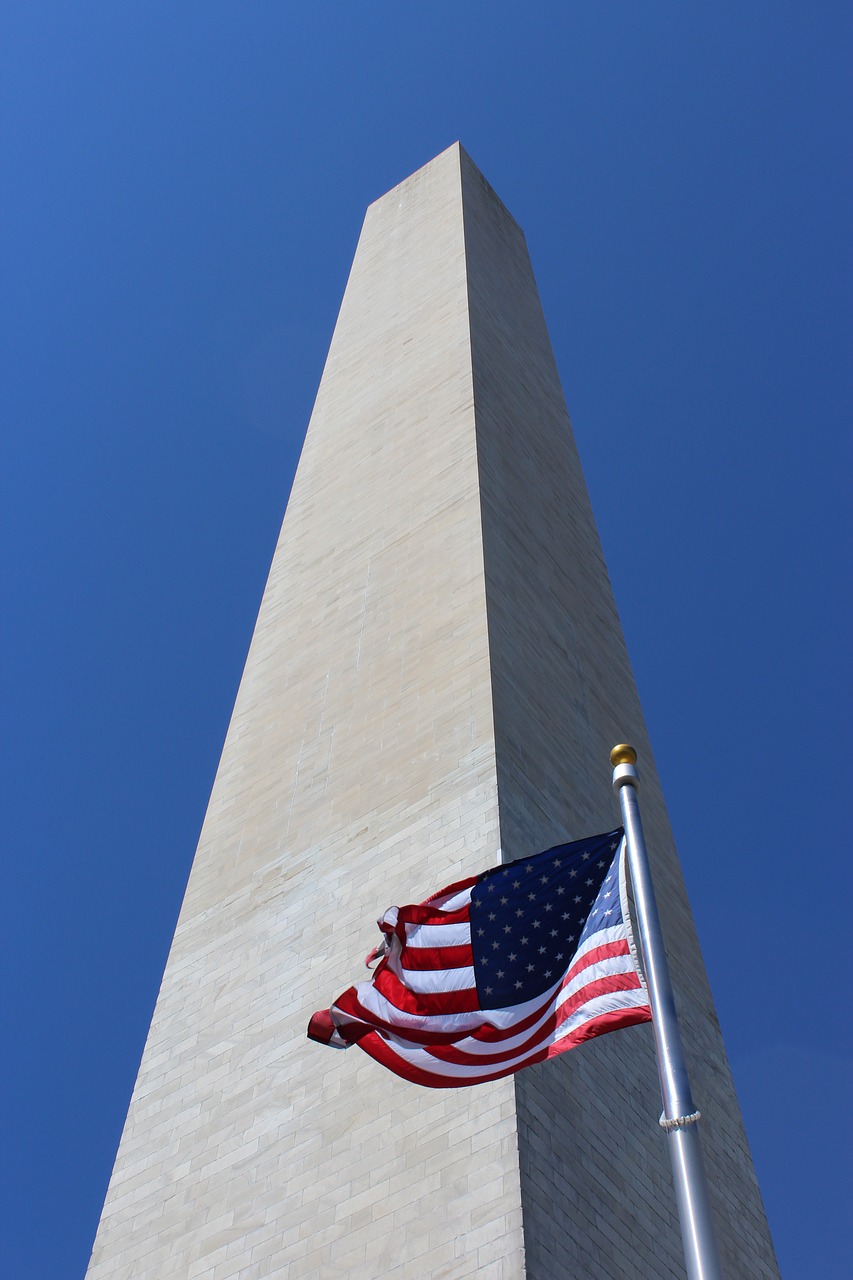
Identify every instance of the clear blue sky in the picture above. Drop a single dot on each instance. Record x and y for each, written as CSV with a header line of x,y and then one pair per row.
x,y
184,187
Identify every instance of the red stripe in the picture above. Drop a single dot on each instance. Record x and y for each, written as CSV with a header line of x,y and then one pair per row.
x,y
435,958
431,1004
602,987
607,951
353,1032
425,914
613,1021
437,1004
321,1027
626,981
599,1026
350,1004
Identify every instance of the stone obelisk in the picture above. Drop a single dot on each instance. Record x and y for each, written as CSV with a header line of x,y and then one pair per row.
x,y
437,671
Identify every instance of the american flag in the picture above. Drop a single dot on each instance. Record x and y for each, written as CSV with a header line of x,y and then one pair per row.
x,y
499,971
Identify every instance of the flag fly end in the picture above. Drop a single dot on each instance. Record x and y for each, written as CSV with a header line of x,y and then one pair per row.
x,y
322,1029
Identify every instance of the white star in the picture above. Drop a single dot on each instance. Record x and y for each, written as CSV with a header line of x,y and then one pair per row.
x,y
492,887
492,915
566,915
589,881
547,973
524,941
504,901
553,933
517,986
530,968
531,897
535,924
480,932
512,956
586,857
495,946
548,906
529,870
488,991
600,865
577,899
516,884
500,973
573,874
558,862
519,912
541,951
543,879
560,891
559,955
507,929
609,911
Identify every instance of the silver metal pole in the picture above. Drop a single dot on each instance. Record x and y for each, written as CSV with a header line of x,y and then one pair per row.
x,y
680,1116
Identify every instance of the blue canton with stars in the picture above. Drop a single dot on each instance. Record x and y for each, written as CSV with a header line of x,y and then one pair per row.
x,y
528,918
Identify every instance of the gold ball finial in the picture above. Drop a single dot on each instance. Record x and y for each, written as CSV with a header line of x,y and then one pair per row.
x,y
623,753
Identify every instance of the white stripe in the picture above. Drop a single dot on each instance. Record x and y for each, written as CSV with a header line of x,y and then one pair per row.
x,y
380,1007
438,935
592,973
454,902
501,1019
424,1060
619,964
432,981
614,933
634,999
375,1003
436,981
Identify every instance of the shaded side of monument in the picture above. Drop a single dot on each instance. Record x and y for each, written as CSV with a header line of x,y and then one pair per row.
x,y
437,671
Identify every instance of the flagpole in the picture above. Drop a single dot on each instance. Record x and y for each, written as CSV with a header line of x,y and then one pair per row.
x,y
679,1119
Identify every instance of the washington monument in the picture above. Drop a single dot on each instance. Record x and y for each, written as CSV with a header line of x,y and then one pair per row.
x,y
435,681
